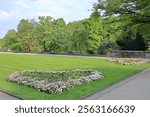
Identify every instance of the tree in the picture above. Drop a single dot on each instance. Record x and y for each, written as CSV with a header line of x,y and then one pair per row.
x,y
57,36
94,29
10,41
1,43
79,41
68,38
140,43
59,22
135,12
107,45
43,32
132,40
25,34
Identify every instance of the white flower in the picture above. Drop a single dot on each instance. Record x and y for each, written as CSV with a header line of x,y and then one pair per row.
x,y
42,84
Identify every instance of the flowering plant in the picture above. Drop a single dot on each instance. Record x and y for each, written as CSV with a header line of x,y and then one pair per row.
x,y
54,81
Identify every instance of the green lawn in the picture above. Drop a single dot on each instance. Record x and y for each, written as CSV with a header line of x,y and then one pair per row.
x,y
112,72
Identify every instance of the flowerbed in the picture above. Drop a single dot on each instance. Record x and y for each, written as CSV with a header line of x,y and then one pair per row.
x,y
54,81
129,61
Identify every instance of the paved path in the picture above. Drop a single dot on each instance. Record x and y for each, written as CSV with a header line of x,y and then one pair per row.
x,y
136,87
66,55
4,96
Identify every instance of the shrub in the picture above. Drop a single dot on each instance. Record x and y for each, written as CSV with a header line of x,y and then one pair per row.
x,y
107,46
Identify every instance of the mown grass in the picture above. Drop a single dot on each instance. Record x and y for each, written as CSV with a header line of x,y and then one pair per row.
x,y
112,72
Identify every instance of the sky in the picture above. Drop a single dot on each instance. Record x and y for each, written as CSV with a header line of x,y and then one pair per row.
x,y
12,11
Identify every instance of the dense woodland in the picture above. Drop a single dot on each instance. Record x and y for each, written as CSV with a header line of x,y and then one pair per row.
x,y
113,25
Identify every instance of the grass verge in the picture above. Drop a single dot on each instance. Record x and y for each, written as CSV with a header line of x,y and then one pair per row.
x,y
112,72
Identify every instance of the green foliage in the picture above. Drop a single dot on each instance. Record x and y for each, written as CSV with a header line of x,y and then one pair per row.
x,y
25,35
80,40
107,45
43,32
1,43
128,14
53,76
137,12
132,40
94,29
96,35
10,41
133,10
55,36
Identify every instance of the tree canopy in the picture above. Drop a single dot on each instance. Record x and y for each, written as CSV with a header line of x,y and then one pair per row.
x,y
114,24
137,11
130,13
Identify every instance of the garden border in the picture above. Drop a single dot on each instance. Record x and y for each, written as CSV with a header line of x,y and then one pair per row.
x,y
57,86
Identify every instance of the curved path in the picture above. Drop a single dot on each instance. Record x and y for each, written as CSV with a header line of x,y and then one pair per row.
x,y
4,96
136,87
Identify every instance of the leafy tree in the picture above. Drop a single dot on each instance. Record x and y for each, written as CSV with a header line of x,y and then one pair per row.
x,y
132,40
140,43
1,44
94,29
57,41
135,12
79,41
57,36
59,22
68,38
10,41
99,30
25,35
107,45
42,32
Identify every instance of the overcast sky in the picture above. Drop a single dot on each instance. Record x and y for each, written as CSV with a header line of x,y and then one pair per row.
x,y
12,11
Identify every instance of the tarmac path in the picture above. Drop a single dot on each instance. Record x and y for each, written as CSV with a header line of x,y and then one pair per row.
x,y
136,87
4,96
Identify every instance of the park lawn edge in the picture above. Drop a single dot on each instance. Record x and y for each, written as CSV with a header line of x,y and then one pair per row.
x,y
83,97
69,95
125,78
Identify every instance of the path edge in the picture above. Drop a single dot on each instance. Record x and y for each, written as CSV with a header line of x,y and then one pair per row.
x,y
10,94
133,76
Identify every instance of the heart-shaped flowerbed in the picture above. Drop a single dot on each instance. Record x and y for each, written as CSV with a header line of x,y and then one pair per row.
x,y
54,81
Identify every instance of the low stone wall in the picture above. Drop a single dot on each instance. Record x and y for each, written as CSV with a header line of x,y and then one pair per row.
x,y
129,54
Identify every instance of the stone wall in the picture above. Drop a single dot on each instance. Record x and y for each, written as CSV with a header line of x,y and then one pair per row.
x,y
129,54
